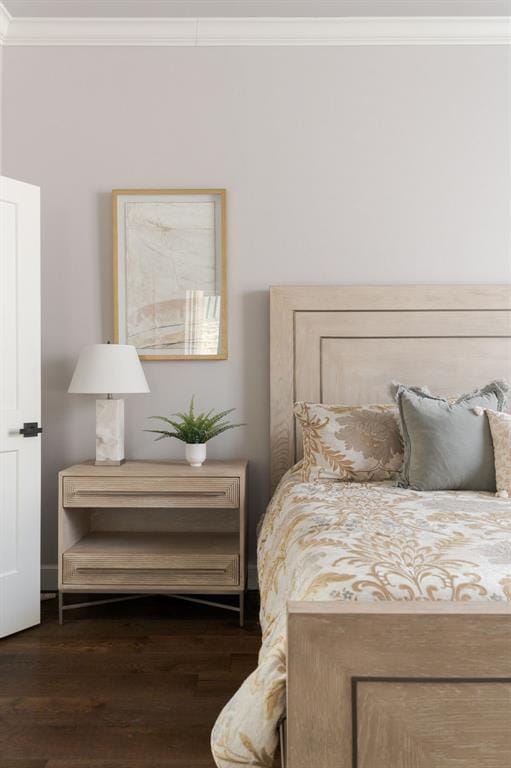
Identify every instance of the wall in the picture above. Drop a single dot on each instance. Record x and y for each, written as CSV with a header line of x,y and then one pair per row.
x,y
342,165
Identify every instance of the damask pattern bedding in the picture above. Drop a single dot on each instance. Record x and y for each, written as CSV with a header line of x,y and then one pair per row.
x,y
329,540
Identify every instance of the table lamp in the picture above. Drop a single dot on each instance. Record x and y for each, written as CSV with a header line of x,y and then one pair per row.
x,y
109,369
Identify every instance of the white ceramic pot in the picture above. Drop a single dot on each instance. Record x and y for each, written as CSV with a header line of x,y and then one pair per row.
x,y
195,454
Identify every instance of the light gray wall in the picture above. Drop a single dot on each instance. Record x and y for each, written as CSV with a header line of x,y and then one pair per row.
x,y
342,165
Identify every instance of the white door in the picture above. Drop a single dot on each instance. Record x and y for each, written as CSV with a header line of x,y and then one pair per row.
x,y
20,403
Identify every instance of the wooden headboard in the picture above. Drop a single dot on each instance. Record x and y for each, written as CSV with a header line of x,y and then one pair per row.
x,y
344,344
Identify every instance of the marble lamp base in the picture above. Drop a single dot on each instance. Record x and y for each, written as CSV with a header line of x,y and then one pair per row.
x,y
109,432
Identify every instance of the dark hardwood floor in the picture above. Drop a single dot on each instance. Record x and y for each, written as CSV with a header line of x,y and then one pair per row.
x,y
130,685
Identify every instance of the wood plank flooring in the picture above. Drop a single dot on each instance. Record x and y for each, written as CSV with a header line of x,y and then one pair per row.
x,y
130,685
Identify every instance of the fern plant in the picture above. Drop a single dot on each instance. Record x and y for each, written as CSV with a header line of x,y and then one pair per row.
x,y
195,428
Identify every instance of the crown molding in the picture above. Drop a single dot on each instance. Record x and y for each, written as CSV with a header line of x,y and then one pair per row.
x,y
355,31
5,19
18,31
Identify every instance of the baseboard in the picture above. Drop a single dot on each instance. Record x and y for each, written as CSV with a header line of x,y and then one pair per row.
x,y
49,577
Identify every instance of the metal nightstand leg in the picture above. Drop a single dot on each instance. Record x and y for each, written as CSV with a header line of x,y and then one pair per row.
x,y
214,604
186,598
92,603
242,609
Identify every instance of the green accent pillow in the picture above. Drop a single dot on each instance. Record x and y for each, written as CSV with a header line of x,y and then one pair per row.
x,y
447,446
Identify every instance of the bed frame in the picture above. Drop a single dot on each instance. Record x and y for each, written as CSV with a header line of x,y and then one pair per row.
x,y
397,685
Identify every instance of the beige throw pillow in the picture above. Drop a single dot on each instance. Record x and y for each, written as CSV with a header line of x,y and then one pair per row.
x,y
359,443
500,426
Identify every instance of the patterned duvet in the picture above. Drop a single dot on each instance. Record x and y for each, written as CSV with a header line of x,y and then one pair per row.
x,y
357,541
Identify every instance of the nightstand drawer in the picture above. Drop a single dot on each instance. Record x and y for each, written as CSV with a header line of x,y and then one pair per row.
x,y
150,570
154,492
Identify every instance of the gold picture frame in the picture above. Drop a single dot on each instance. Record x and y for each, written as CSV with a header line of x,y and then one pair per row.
x,y
156,316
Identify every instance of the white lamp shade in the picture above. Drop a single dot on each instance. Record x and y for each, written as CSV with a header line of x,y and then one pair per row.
x,y
108,369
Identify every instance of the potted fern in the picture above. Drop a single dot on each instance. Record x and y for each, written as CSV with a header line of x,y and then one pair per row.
x,y
195,430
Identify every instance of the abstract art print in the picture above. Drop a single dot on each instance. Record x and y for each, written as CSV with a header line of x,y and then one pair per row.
x,y
170,292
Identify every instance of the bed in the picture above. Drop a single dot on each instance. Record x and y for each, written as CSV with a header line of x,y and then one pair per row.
x,y
386,613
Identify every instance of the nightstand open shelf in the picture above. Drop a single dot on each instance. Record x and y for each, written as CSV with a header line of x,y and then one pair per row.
x,y
153,528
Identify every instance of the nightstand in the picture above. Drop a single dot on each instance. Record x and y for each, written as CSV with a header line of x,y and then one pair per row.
x,y
153,527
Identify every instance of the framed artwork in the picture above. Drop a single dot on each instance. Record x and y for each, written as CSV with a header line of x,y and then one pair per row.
x,y
170,272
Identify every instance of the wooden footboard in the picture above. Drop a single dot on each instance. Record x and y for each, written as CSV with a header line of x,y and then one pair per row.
x,y
399,685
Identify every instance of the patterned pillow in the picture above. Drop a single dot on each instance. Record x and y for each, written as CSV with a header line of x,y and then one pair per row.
x,y
500,426
359,443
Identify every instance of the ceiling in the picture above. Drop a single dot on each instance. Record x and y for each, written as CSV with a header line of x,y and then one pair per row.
x,y
254,8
